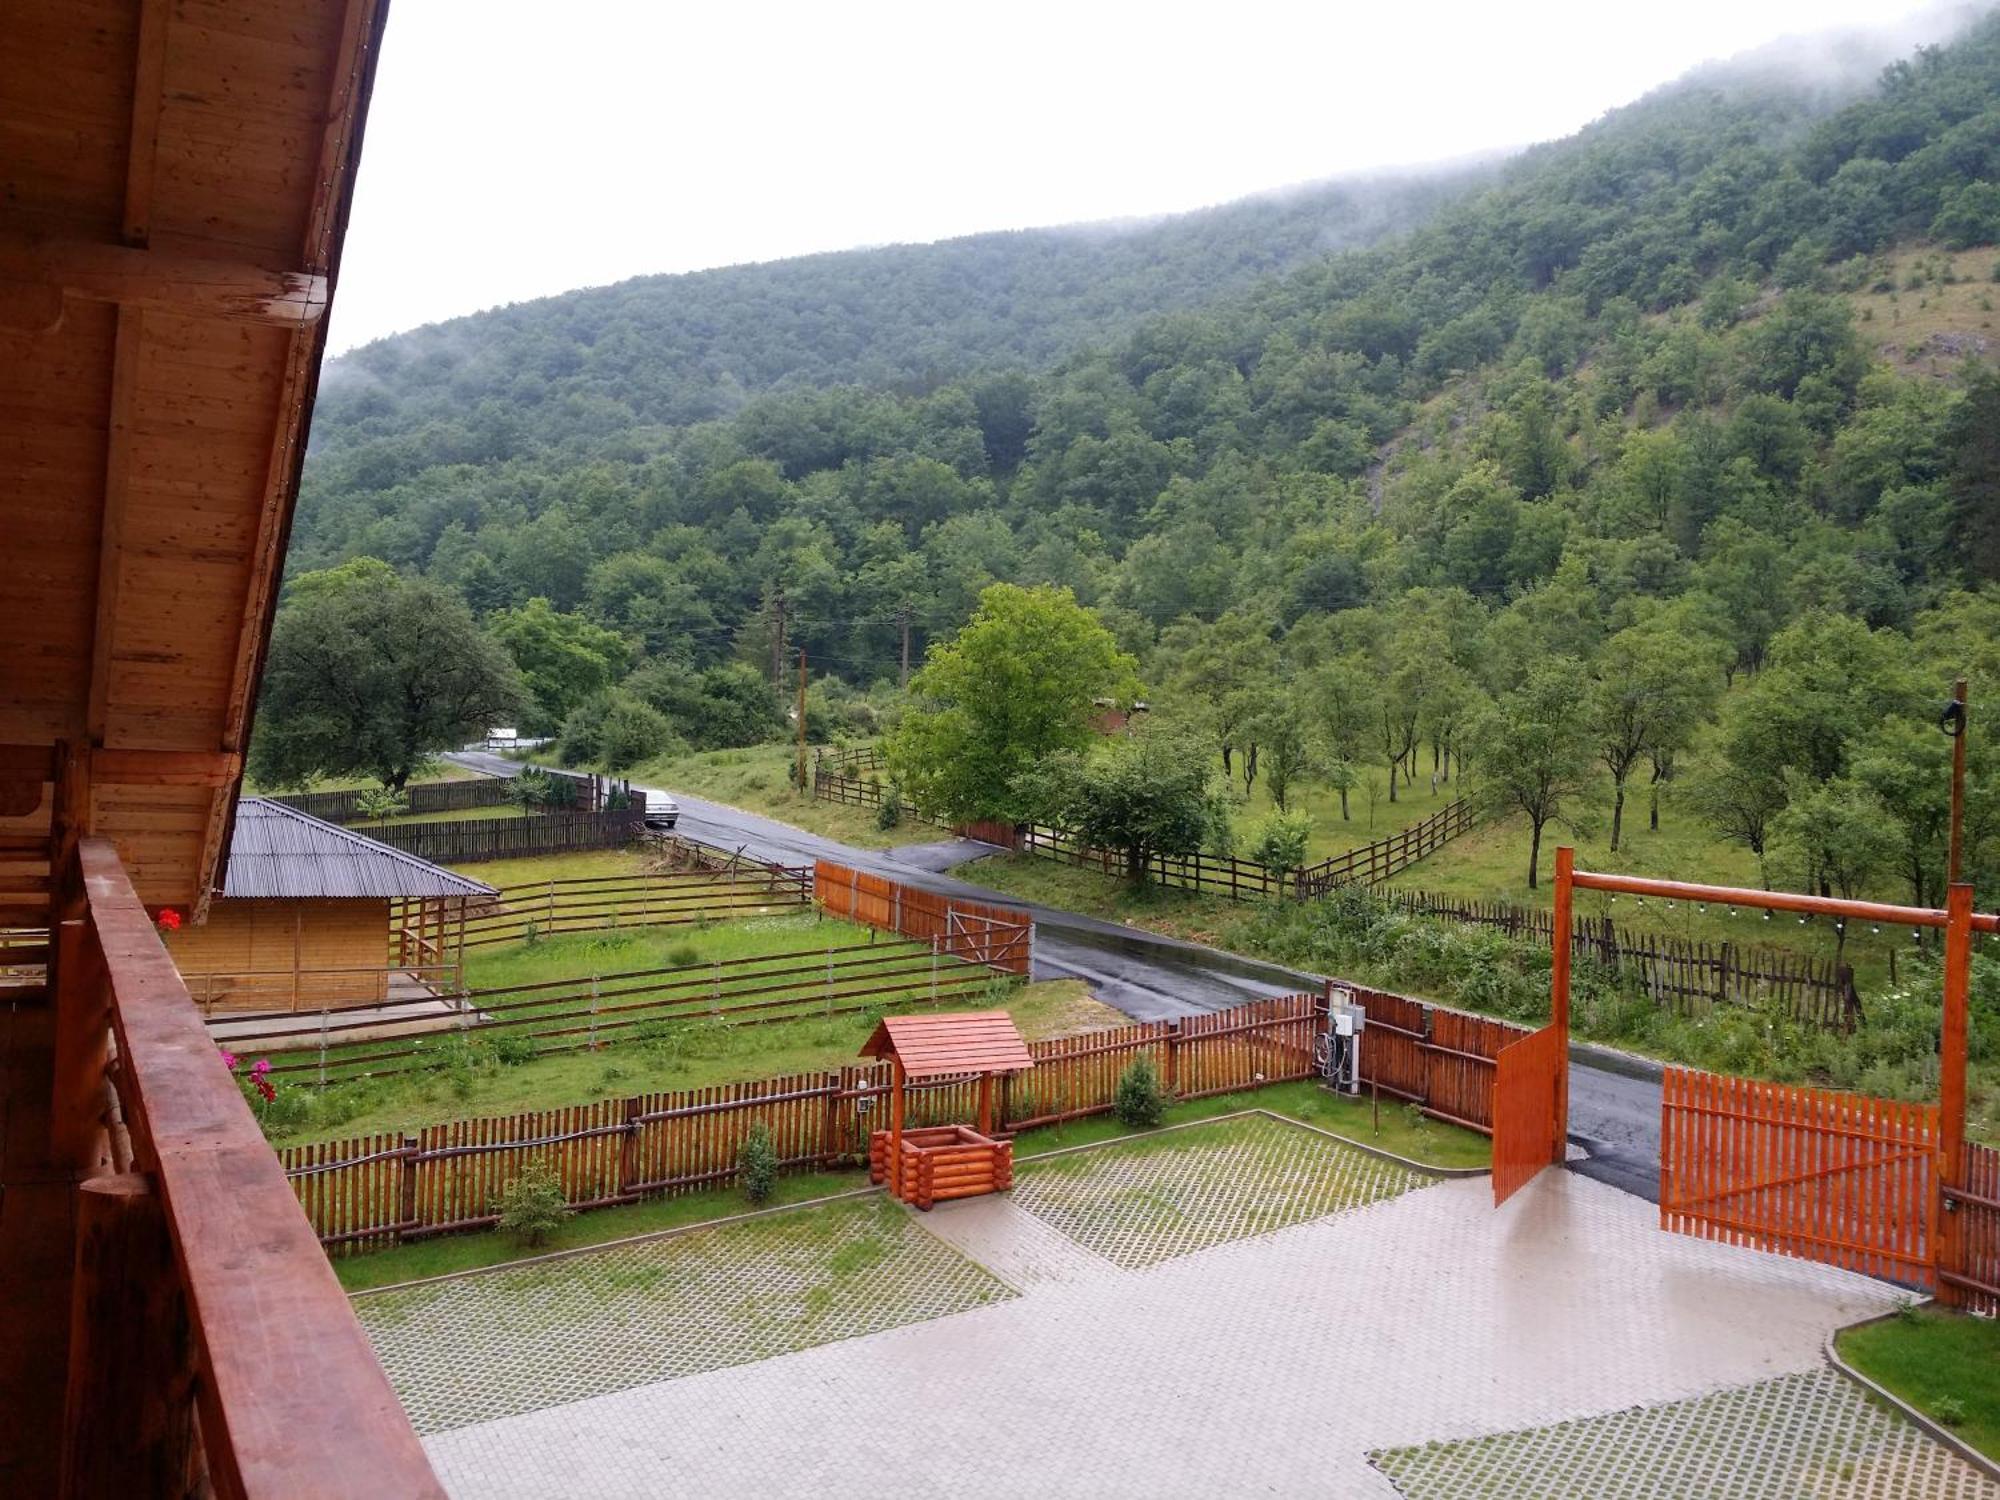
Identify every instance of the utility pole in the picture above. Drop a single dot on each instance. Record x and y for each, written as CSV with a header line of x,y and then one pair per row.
x,y
903,618
1956,726
804,785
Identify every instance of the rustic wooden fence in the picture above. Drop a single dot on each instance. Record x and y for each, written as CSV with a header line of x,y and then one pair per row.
x,y
426,797
999,936
1974,1282
373,1191
1528,1079
1688,977
475,839
655,898
853,778
1845,1179
583,1013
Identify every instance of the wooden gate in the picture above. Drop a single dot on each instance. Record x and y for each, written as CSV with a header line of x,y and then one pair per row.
x,y
1846,1179
1530,1093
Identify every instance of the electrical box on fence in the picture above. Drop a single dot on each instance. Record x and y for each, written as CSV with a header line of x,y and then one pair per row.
x,y
1339,1049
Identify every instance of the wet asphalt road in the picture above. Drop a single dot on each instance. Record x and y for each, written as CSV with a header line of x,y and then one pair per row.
x,y
1614,1110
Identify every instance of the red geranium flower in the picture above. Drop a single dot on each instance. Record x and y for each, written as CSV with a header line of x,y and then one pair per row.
x,y
168,920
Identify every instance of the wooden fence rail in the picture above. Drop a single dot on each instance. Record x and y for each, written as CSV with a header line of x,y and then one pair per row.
x,y
657,898
377,1190
1688,977
1975,1280
854,780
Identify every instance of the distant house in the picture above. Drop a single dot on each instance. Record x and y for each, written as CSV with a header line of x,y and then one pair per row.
x,y
313,915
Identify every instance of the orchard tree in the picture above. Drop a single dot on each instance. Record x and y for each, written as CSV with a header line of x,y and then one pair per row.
x,y
1290,752
1534,749
371,678
1148,795
1018,685
1344,693
1835,838
1652,690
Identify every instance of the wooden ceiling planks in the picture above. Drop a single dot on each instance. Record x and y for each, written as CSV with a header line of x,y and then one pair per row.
x,y
168,169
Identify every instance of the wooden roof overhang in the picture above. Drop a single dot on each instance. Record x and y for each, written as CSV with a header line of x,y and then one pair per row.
x,y
174,186
952,1045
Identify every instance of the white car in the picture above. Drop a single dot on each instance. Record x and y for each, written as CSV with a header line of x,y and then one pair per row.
x,y
662,812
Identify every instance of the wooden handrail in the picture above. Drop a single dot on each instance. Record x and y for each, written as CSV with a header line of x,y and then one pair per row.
x,y
289,1397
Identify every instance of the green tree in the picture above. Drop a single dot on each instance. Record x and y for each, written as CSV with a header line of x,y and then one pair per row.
x,y
1534,749
1146,796
1344,692
1288,749
1834,838
1281,841
1652,689
564,659
1017,686
374,678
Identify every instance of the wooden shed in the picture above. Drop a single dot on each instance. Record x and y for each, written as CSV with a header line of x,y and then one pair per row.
x,y
945,1161
313,916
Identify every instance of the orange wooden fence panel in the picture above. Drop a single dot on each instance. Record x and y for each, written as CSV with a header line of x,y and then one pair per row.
x,y
1440,1060
1527,1114
1974,1283
1846,1179
1001,937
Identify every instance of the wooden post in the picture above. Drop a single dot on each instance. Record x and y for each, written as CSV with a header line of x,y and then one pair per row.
x,y
801,712
1173,1079
406,1183
1951,1077
129,1423
896,1128
986,1104
1559,988
1956,848
298,956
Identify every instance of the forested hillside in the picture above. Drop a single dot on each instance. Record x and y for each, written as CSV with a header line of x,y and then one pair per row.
x,y
1698,385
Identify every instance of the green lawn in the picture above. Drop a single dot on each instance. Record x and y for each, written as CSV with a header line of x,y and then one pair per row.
x,y
1371,815
543,867
453,815
1945,1364
579,955
1428,1141
1031,877
437,770
694,1054
757,780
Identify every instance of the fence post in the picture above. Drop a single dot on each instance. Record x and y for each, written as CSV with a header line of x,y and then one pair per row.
x,y
1173,1078
829,980
593,1013
406,1184
628,1148
934,968
323,1019
715,992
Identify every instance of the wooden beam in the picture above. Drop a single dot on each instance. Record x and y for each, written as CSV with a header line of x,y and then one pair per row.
x,y
214,768
111,526
149,82
185,285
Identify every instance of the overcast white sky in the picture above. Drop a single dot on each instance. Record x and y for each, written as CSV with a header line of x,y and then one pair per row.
x,y
518,149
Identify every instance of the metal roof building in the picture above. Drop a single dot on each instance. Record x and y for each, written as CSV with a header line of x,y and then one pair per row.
x,y
281,853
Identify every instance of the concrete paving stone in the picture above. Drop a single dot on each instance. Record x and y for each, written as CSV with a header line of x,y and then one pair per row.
x,y
1267,1365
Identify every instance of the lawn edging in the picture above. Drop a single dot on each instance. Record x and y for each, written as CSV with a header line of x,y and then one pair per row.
x,y
1929,1425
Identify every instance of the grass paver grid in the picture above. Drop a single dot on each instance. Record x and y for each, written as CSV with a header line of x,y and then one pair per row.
x,y
1814,1436
1152,1200
478,1347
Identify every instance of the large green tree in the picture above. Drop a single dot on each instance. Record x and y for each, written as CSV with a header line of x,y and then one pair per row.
x,y
564,659
1018,685
1534,750
1149,795
371,677
1652,690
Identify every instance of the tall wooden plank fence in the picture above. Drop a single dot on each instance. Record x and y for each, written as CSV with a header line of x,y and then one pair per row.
x,y
1974,1283
1438,1059
1001,937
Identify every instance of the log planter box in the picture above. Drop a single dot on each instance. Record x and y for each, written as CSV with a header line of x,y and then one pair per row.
x,y
943,1161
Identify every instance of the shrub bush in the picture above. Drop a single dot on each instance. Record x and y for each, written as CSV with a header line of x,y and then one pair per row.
x,y
1140,1101
381,802
532,1206
889,811
511,1048
757,1164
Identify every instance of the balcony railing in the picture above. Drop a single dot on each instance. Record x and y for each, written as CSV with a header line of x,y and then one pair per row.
x,y
212,1348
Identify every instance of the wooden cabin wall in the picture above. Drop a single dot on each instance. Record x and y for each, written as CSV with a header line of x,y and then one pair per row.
x,y
256,938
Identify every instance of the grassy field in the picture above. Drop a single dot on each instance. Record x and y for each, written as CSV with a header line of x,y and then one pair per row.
x,y
757,780
1491,864
1029,877
454,815
1420,1140
1928,327
697,1054
1371,815
1945,1364
590,863
582,954
437,770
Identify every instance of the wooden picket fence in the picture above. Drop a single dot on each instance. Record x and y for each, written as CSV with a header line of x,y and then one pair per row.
x,y
1001,937
474,839
1846,1179
853,778
377,1190
1688,977
1974,1282
426,797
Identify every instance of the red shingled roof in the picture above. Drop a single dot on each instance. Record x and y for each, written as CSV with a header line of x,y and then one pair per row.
x,y
979,1041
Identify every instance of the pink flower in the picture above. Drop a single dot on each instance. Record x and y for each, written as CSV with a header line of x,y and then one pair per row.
x,y
260,1067
229,1059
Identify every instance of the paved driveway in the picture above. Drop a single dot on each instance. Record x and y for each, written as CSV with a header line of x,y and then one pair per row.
x,y
1411,1331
